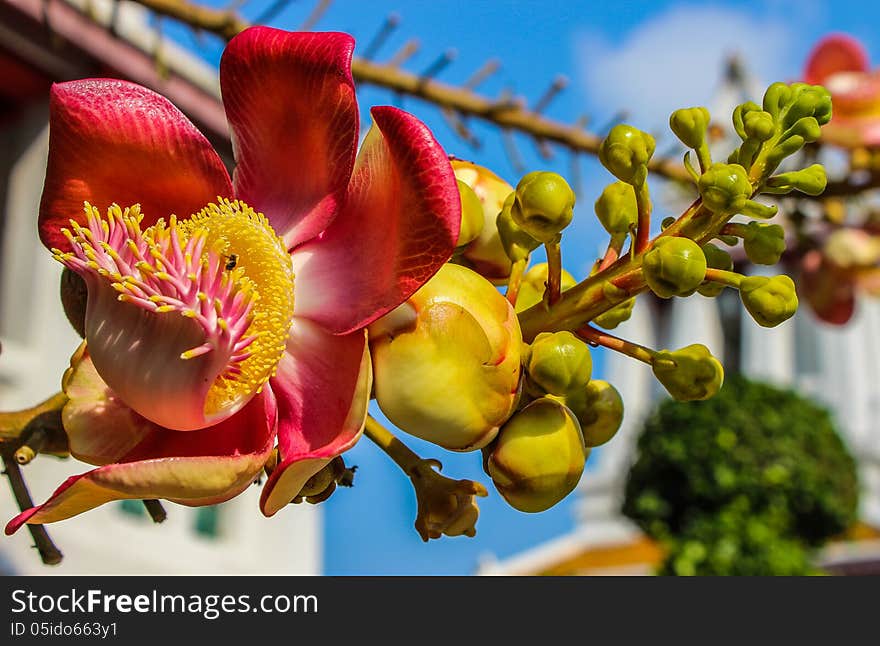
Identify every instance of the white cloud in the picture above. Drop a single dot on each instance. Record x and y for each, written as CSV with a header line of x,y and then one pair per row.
x,y
676,59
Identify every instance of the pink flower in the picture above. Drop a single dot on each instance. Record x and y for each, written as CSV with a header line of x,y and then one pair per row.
x,y
840,63
222,340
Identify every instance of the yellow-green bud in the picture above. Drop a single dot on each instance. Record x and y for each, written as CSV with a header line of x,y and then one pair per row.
x,y
807,101
674,266
539,456
811,181
689,374
690,125
617,209
543,205
759,125
764,243
471,214
485,255
446,363
716,258
725,188
599,409
739,115
616,315
517,243
534,282
626,152
558,363
769,299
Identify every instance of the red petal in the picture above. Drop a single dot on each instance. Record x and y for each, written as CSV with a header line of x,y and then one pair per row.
x,y
323,389
291,104
835,53
398,226
829,291
193,468
114,141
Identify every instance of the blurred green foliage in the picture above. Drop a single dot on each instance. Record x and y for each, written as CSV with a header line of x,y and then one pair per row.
x,y
749,482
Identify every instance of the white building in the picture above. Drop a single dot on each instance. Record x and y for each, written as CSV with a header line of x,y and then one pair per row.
x,y
37,48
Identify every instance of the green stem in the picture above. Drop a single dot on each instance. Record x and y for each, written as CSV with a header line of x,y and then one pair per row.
x,y
402,455
516,275
729,278
630,349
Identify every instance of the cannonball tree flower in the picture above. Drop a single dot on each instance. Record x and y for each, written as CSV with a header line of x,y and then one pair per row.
x,y
840,63
222,312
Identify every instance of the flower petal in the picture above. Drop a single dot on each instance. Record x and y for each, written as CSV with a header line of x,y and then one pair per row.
x,y
833,54
291,105
114,141
196,468
398,226
323,389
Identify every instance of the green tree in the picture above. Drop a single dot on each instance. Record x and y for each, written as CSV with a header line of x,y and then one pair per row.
x,y
749,482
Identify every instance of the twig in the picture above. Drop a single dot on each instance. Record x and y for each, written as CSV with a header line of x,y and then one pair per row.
x,y
49,552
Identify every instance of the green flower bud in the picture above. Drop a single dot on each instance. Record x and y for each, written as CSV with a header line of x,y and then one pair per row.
x,y
616,315
625,152
471,214
616,208
446,364
485,255
539,456
543,205
725,188
739,115
517,243
716,258
806,128
558,363
759,125
534,282
689,374
599,409
807,101
690,125
764,243
776,96
770,300
811,181
674,266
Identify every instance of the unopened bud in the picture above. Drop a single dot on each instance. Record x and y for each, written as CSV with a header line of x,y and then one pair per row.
x,y
518,244
599,409
485,254
558,363
471,214
810,181
539,456
759,125
616,315
617,209
690,125
688,374
625,152
674,266
446,363
725,188
764,243
543,205
769,299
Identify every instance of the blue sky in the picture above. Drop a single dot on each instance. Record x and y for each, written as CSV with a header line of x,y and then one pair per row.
x,y
646,58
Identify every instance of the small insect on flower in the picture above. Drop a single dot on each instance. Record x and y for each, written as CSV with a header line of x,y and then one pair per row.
x,y
231,262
